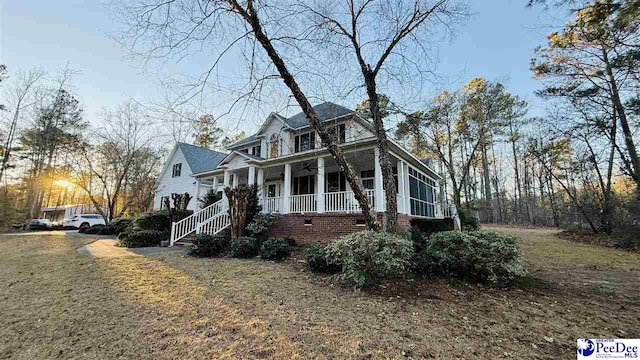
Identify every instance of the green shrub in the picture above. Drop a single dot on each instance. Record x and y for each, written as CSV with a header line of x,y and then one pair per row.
x,y
275,249
210,245
430,226
93,229
143,238
116,226
478,256
468,222
245,247
261,224
316,260
368,257
156,220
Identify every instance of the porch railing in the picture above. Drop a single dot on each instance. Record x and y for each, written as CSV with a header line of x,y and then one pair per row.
x,y
272,205
303,203
345,201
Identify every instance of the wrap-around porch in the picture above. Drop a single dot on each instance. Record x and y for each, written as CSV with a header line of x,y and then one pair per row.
x,y
316,184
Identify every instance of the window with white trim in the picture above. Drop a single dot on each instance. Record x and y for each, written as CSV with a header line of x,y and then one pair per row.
x,y
368,179
303,185
177,170
338,133
422,194
304,142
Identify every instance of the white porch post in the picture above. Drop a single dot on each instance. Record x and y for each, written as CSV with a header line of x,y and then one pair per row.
x,y
227,178
252,175
214,186
236,179
320,185
407,198
379,197
402,192
260,184
287,188
197,190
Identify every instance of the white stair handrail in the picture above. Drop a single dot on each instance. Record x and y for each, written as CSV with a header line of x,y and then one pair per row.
x,y
193,222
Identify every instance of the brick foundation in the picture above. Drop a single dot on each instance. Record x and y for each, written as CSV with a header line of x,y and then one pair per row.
x,y
324,227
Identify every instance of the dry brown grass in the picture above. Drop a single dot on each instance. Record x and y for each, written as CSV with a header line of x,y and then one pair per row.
x,y
59,305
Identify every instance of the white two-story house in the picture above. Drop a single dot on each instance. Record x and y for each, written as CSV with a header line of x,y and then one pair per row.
x,y
176,176
298,178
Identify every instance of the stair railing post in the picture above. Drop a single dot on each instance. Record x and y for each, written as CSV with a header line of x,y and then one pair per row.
x,y
173,234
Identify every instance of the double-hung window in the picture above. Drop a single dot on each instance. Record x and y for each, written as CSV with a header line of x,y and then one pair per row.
x,y
177,170
337,133
304,142
336,182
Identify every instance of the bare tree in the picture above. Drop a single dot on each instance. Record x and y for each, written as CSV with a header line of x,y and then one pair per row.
x,y
383,48
21,96
104,167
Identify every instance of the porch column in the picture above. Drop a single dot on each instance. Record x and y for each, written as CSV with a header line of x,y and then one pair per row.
x,y
287,188
251,179
197,190
407,198
402,192
226,180
236,179
214,185
379,195
260,183
320,185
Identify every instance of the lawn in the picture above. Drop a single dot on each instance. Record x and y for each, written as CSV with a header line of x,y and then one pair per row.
x,y
57,304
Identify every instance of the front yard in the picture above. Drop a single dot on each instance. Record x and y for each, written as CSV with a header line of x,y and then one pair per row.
x,y
57,304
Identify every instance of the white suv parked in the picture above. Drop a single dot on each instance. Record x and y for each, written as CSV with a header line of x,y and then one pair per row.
x,y
84,220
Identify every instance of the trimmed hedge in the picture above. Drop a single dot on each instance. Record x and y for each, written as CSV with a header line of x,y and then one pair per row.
x,y
116,226
93,229
207,245
157,220
316,260
143,238
275,249
245,247
368,257
478,256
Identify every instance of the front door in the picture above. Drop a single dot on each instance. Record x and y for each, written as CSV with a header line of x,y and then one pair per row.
x,y
273,189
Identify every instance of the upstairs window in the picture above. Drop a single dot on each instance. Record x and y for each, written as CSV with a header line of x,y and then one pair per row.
x,y
177,170
246,151
256,150
337,133
304,142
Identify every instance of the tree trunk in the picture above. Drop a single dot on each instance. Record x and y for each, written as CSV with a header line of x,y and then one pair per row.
x,y
486,181
251,17
389,182
628,134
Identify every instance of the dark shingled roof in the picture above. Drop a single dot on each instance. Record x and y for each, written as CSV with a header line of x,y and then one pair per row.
x,y
201,159
246,140
325,111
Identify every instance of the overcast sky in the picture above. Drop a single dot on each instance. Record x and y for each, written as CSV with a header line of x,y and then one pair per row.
x,y
497,43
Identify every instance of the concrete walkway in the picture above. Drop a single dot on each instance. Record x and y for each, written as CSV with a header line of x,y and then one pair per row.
x,y
107,248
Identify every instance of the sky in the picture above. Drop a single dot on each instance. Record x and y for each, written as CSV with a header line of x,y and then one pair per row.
x,y
497,42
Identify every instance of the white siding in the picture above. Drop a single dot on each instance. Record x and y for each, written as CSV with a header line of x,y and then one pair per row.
x,y
180,184
275,126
